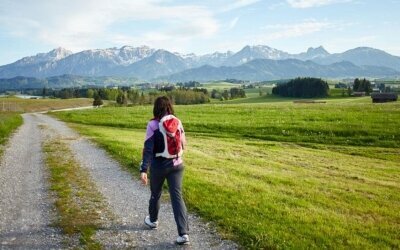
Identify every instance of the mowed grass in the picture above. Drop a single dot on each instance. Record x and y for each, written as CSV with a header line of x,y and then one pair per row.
x,y
355,122
280,195
8,123
324,186
36,105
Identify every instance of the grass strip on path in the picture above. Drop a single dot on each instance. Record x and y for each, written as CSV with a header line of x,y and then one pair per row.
x,y
78,203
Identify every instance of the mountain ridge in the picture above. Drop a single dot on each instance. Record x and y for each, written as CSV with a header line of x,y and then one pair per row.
x,y
267,69
148,63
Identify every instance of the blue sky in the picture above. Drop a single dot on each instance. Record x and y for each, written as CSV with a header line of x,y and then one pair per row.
x,y
28,27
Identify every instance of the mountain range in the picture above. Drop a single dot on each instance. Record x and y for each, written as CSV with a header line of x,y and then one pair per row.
x,y
258,62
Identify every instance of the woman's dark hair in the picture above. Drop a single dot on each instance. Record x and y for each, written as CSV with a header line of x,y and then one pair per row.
x,y
162,107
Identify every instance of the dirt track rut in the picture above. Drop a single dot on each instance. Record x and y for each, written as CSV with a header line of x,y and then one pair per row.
x,y
25,204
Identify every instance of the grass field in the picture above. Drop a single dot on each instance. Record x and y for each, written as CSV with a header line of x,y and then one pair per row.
x,y
8,123
219,85
278,174
338,122
36,105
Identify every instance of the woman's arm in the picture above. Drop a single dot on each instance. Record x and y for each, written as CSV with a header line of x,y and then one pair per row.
x,y
147,156
183,137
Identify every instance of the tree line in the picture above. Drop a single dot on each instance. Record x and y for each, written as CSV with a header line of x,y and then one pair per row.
x,y
362,85
307,87
225,94
128,96
178,96
125,96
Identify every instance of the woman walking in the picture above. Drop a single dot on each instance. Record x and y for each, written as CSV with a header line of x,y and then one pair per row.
x,y
163,148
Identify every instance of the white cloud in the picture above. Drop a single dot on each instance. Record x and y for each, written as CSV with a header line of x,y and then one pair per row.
x,y
340,44
233,23
279,31
312,3
393,50
237,4
77,25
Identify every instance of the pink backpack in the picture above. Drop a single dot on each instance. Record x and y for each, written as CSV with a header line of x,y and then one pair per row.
x,y
171,129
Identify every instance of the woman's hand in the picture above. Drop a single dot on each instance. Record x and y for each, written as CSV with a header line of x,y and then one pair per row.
x,y
143,177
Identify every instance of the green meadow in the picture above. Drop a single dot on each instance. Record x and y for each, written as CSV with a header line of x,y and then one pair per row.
x,y
270,173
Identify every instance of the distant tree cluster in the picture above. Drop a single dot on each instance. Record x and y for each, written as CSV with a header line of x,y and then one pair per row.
x,y
249,86
307,87
178,96
203,90
234,81
187,93
362,86
232,93
237,93
66,93
189,84
188,97
166,88
341,85
121,96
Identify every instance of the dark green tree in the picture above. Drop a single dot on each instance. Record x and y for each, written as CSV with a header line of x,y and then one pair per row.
x,y
142,99
225,94
97,101
349,91
44,92
363,85
122,98
366,86
356,85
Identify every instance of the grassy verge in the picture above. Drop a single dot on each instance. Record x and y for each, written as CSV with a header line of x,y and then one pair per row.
x,y
267,194
79,204
8,123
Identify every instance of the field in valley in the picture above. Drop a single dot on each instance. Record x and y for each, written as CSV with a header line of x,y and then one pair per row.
x,y
278,174
12,107
36,105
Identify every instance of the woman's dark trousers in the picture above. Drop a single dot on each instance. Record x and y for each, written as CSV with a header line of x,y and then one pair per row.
x,y
174,176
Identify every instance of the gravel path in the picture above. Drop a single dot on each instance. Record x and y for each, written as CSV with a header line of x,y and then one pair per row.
x,y
25,204
128,200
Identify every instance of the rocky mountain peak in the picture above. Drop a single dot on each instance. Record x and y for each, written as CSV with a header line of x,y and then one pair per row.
x,y
59,53
317,51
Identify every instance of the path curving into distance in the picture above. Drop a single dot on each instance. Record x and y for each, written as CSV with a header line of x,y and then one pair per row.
x,y
127,199
25,204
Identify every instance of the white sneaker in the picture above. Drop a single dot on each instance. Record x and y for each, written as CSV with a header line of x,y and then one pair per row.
x,y
152,225
183,240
